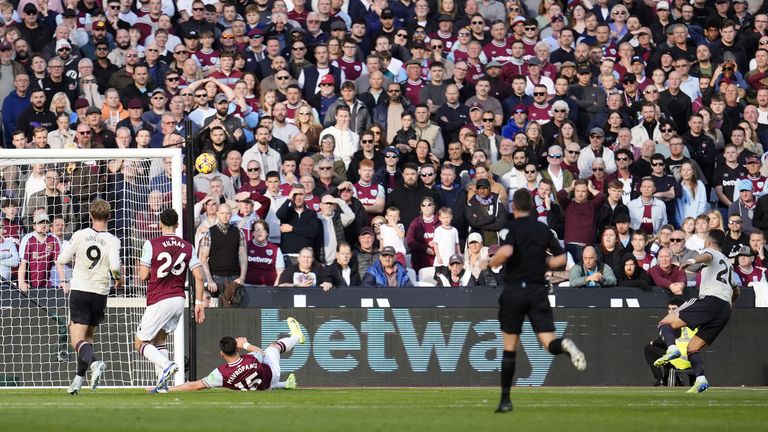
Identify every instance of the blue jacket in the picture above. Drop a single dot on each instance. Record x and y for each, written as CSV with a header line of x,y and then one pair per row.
x,y
13,105
375,276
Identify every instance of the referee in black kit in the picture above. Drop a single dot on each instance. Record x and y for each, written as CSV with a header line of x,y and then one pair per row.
x,y
529,250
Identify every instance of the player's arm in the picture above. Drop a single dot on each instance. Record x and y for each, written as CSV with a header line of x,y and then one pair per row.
x,y
205,251
242,343
115,268
557,261
242,257
23,265
501,256
197,273
145,262
188,386
701,258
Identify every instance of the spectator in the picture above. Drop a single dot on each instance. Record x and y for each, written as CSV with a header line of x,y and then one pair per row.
x,y
632,274
223,253
486,214
693,200
38,251
667,275
420,235
757,243
735,237
646,212
591,273
407,196
334,215
744,206
366,254
299,225
387,272
561,178
595,150
9,255
347,141
342,271
265,259
701,229
456,275
747,272
610,251
638,249
445,242
612,206
305,272
580,217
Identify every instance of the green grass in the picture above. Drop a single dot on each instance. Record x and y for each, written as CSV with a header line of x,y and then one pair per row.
x,y
391,410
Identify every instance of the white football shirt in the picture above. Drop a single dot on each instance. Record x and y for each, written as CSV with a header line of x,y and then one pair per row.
x,y
717,278
96,255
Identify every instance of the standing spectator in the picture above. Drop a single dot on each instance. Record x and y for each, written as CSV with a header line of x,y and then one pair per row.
x,y
561,178
446,238
747,272
420,235
700,145
265,259
223,253
612,206
591,273
760,214
735,237
299,225
334,215
667,275
745,205
667,188
38,252
486,214
693,200
594,151
407,196
387,272
9,255
646,212
347,141
580,217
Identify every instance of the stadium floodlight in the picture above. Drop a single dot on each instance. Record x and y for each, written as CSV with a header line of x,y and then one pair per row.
x,y
35,350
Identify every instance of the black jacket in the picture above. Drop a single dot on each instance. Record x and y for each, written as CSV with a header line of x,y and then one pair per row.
x,y
307,230
334,272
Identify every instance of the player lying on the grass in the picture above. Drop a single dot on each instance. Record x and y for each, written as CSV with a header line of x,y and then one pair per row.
x,y
164,264
97,257
709,312
257,370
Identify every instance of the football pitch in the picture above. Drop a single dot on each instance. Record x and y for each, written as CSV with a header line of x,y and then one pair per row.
x,y
387,409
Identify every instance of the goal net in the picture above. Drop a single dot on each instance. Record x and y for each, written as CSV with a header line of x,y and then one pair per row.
x,y
58,186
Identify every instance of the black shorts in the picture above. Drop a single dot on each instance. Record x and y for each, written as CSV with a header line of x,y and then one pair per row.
x,y
517,301
709,314
86,308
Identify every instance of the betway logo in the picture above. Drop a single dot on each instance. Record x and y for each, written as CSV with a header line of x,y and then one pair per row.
x,y
447,341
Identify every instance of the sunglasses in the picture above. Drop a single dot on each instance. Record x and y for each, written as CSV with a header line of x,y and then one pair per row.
x,y
391,156
325,85
487,119
282,77
574,152
227,36
540,93
464,34
598,169
402,35
595,136
555,156
153,50
676,240
650,91
178,52
436,47
366,141
299,48
101,48
393,91
427,205
158,97
530,28
202,9
65,49
478,22
734,222
622,158
667,130
186,94
254,169
427,174
657,164
201,95
84,132
520,112
559,111
765,42
325,168
530,171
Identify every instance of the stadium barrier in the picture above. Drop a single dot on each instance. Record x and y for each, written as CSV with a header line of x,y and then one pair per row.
x,y
397,341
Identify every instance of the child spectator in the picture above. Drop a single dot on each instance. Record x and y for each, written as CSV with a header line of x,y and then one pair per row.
x,y
392,234
445,243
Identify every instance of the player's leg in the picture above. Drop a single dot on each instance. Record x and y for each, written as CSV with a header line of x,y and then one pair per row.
x,y
288,384
297,336
97,366
557,346
667,327
159,342
77,339
510,342
697,364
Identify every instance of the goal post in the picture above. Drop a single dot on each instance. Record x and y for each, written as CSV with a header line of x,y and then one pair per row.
x,y
33,325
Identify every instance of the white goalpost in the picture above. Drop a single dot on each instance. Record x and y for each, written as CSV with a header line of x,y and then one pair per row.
x,y
34,345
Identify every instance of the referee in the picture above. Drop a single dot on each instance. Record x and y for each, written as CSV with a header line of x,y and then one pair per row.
x,y
529,250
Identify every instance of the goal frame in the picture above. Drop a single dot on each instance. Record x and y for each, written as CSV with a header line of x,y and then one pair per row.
x,y
26,156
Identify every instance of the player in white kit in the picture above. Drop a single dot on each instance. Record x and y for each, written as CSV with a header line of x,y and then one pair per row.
x,y
164,263
97,258
709,312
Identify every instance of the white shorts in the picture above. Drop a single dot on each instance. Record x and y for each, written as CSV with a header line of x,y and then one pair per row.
x,y
271,358
163,315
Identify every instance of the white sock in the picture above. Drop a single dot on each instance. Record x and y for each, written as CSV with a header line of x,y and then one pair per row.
x,y
164,351
154,355
279,385
288,342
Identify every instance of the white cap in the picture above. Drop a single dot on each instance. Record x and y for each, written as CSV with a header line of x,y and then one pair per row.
x,y
662,5
475,237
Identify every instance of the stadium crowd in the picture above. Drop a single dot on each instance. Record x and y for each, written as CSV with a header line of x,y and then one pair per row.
x,y
379,143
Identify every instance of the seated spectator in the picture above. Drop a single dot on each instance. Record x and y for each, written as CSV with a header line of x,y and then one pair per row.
x,y
757,243
638,249
305,273
667,275
342,271
591,273
747,272
265,259
457,275
701,230
631,274
744,206
662,239
474,254
387,272
548,210
735,237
